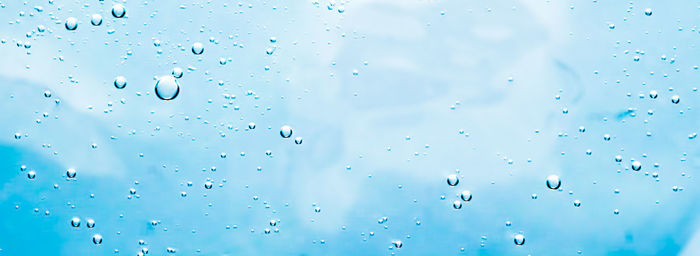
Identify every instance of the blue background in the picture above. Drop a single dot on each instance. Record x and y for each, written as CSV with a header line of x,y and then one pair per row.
x,y
471,88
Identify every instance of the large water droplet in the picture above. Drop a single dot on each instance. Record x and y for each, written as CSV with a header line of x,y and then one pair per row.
x,y
457,204
452,180
466,195
75,222
167,88
553,182
636,165
96,19
71,23
120,82
70,173
286,131
197,48
97,239
519,239
675,99
118,11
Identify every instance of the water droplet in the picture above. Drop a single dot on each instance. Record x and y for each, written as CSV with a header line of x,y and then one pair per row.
x,y
70,173
97,239
120,82
636,165
457,204
298,140
197,48
71,23
96,19
653,94
31,175
452,180
577,203
286,131
118,11
397,244
466,195
647,12
75,222
675,99
208,185
177,72
519,239
553,182
251,125
167,88
90,223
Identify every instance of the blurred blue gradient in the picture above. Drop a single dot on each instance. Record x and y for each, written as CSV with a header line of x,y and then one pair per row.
x,y
389,96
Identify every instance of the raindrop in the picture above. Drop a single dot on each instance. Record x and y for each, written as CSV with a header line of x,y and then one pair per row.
x,y
251,125
636,165
167,88
397,244
97,239
71,23
519,239
457,204
647,12
208,185
298,140
70,173
197,48
75,222
96,19
177,72
653,94
675,99
118,11
452,180
553,182
577,203
31,175
90,223
466,195
120,82
286,131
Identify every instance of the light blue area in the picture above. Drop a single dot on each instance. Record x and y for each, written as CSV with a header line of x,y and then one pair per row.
x,y
441,86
